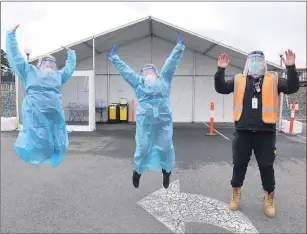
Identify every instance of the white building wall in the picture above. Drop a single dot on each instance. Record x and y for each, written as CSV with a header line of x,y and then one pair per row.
x,y
135,54
162,49
205,92
181,99
101,90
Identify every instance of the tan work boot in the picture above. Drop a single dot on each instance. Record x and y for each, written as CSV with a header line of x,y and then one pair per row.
x,y
235,200
269,204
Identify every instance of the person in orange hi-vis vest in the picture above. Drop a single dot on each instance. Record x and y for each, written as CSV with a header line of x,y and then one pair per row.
x,y
255,113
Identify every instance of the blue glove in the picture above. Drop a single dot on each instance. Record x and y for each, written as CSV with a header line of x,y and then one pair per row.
x,y
113,52
178,39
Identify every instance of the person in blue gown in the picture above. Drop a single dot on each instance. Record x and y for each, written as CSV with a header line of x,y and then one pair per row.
x,y
43,138
154,125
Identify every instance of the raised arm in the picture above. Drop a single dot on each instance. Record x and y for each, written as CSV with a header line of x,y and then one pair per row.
x,y
222,86
70,65
124,70
17,62
172,62
292,83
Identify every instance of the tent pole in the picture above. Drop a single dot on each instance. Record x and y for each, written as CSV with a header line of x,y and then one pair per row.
x,y
92,97
108,82
193,87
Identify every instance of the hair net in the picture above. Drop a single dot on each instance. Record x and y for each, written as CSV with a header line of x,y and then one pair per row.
x,y
47,62
255,64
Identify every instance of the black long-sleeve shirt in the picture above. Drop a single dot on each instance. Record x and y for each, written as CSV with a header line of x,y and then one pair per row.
x,y
251,119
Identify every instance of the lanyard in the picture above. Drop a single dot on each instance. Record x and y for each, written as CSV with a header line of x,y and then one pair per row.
x,y
257,85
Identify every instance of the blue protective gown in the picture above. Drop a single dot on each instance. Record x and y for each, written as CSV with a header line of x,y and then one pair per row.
x,y
154,125
43,138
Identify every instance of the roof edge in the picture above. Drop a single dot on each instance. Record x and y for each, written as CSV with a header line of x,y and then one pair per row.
x,y
97,35
162,22
211,40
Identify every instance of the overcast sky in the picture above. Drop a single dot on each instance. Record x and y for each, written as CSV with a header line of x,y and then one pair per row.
x,y
271,27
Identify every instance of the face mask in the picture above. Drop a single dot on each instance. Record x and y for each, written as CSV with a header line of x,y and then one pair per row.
x,y
45,72
47,69
256,70
255,66
149,79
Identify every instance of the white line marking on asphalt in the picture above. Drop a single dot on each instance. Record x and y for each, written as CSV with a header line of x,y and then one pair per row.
x,y
302,136
216,131
297,138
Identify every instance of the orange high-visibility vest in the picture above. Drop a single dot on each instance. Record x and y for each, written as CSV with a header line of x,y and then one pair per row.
x,y
270,97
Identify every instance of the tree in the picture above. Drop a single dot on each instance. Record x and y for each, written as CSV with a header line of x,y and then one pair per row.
x,y
6,70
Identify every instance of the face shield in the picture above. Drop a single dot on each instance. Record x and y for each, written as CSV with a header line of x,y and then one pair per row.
x,y
255,64
47,63
149,73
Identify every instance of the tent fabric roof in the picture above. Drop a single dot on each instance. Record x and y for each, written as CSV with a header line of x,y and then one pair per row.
x,y
157,28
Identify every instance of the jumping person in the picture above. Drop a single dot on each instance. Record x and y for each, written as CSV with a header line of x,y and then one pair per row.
x,y
154,125
43,138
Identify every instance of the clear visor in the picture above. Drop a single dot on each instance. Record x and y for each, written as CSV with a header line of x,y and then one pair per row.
x,y
149,71
48,63
255,65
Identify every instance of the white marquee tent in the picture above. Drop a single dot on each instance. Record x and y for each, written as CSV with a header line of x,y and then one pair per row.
x,y
148,40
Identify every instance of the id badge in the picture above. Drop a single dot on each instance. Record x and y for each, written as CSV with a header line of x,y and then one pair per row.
x,y
255,103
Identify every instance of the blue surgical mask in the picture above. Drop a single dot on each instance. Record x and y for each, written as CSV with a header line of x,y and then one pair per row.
x,y
255,67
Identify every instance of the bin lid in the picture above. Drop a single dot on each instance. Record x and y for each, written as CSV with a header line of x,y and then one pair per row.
x,y
123,101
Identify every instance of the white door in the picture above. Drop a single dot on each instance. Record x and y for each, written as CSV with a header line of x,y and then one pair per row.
x,y
78,96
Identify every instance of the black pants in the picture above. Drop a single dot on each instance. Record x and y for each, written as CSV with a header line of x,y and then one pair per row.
x,y
263,144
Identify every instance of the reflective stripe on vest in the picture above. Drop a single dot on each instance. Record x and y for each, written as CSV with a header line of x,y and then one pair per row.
x,y
270,106
270,97
238,101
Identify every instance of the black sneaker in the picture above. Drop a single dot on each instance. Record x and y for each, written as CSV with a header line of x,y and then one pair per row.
x,y
166,178
136,179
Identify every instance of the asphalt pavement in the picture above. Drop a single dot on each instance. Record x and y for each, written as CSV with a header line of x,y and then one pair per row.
x,y
92,192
